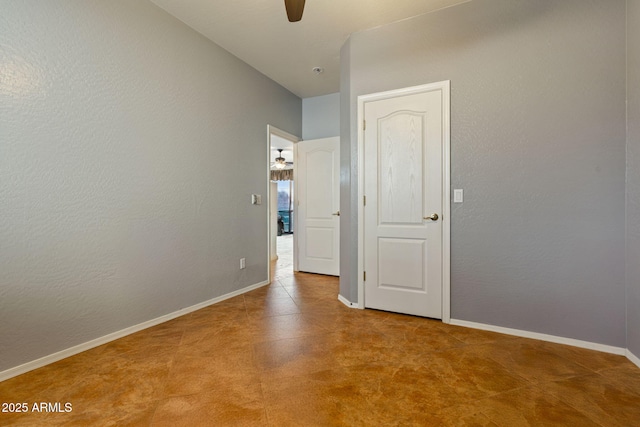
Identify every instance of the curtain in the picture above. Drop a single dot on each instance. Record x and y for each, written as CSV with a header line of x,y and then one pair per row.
x,y
282,175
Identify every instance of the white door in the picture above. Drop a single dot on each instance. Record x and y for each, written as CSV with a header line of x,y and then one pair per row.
x,y
318,193
403,176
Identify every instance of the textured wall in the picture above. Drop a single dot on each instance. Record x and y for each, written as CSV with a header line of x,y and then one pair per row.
x,y
348,183
633,177
115,207
321,116
538,145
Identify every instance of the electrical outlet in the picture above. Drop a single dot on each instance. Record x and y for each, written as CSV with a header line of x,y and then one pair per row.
x,y
243,263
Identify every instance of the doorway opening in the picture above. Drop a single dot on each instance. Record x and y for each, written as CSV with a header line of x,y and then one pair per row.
x,y
282,211
284,194
285,207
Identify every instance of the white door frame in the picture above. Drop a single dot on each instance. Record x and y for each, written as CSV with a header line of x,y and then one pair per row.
x,y
272,130
443,86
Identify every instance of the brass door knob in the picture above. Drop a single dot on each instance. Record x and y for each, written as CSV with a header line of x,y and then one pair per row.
x,y
432,217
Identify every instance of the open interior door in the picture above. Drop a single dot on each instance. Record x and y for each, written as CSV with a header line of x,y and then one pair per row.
x,y
318,193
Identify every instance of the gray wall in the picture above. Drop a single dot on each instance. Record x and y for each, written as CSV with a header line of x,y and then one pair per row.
x,y
348,183
115,206
633,177
538,145
321,116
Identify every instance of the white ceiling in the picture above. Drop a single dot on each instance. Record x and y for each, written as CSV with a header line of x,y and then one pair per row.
x,y
285,144
258,32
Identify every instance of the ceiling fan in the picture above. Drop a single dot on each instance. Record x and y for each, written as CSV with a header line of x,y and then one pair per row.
x,y
281,162
294,9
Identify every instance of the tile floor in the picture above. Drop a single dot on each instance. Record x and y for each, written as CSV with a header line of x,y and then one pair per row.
x,y
290,354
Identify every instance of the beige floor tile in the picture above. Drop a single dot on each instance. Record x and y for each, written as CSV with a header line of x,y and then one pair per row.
x,y
218,407
606,402
197,374
531,360
532,407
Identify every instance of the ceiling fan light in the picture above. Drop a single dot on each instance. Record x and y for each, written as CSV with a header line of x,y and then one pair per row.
x,y
280,162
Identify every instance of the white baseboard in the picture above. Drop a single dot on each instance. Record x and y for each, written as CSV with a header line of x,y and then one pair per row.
x,y
347,302
633,358
46,360
543,337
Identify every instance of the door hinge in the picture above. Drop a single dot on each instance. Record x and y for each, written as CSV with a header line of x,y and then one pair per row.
x,y
364,276
364,200
364,125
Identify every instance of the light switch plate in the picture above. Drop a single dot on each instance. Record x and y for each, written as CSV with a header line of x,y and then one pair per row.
x,y
458,195
256,199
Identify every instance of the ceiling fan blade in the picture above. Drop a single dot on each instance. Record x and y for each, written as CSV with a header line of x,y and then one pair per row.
x,y
294,9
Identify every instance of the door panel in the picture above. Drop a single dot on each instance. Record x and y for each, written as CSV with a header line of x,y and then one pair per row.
x,y
400,264
319,243
318,189
319,171
401,167
403,146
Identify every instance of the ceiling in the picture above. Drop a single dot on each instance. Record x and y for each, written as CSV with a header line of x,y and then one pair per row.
x,y
258,32
285,145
